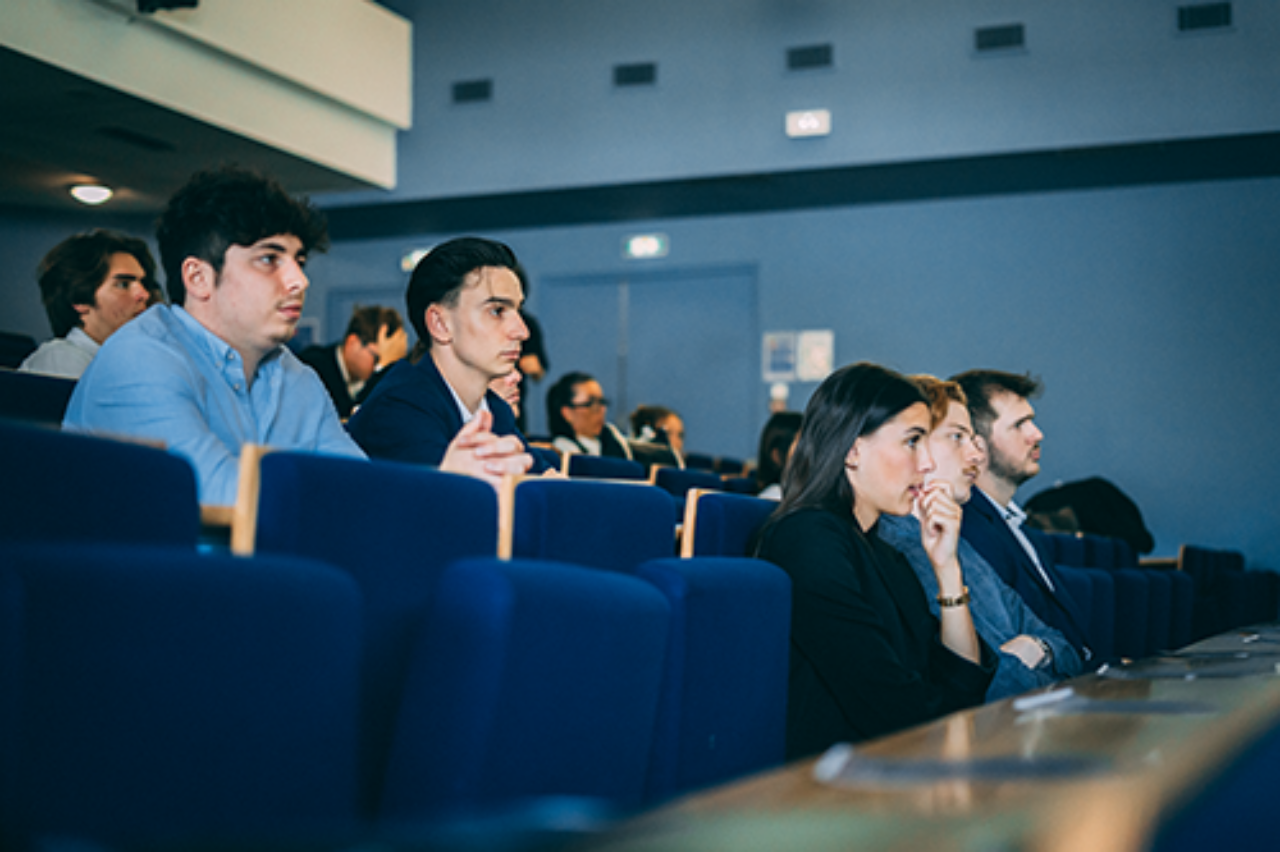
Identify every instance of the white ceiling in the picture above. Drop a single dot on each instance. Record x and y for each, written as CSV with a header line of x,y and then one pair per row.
x,y
57,128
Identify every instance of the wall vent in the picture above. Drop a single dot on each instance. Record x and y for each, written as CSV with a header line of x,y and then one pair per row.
x,y
809,57
1204,16
1005,37
635,74
472,91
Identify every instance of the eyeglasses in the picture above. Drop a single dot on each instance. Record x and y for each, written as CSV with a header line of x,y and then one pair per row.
x,y
590,402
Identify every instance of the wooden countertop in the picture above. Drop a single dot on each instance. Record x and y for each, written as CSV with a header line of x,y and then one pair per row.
x,y
1092,771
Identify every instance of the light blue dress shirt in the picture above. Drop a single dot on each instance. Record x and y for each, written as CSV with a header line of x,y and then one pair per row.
x,y
999,613
165,377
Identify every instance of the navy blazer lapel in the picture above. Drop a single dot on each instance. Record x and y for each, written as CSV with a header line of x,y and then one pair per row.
x,y
1054,597
431,375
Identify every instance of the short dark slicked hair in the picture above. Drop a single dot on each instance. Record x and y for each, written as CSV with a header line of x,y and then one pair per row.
x,y
73,270
219,208
440,276
981,386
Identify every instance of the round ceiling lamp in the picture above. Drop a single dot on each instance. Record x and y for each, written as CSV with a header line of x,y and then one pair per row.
x,y
89,193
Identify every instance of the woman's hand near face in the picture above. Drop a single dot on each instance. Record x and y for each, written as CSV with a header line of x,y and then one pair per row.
x,y
940,515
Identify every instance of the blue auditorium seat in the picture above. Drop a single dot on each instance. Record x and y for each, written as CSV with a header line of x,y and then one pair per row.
x,y
395,528
724,691
1160,613
1133,607
1102,616
529,679
741,485
612,525
678,482
1079,587
14,348
68,487
722,524
604,467
33,397
170,699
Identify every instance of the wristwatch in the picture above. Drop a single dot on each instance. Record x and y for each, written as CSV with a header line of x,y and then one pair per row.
x,y
1047,659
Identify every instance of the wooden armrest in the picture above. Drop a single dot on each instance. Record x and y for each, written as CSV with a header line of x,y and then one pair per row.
x,y
216,516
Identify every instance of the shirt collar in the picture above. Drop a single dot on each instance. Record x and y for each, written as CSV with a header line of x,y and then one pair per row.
x,y
228,359
467,416
81,339
1013,514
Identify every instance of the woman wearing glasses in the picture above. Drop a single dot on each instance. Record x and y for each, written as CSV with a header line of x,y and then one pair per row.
x,y
867,657
576,410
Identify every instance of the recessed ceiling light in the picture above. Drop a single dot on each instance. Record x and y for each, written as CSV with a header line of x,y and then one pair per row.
x,y
89,193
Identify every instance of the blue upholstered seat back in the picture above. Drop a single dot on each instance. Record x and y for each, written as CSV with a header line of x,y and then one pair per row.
x,y
168,697
604,467
529,679
33,397
724,692
677,482
610,525
395,528
726,524
68,487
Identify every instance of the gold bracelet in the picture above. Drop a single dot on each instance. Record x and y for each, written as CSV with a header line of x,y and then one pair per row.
x,y
960,600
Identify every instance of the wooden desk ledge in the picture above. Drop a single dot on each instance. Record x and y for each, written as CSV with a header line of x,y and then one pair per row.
x,y
1149,762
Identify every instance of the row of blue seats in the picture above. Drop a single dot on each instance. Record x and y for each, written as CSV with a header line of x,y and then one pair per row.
x,y
372,663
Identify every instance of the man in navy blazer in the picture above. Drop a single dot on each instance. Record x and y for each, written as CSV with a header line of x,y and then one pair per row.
x,y
1004,422
464,302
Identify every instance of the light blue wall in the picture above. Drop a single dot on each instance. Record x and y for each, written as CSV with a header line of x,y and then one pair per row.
x,y
906,86
1152,314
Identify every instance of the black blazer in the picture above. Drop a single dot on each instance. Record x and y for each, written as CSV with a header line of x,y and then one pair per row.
x,y
324,360
985,528
411,416
867,658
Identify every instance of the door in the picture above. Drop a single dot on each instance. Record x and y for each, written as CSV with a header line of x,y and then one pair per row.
x,y
686,339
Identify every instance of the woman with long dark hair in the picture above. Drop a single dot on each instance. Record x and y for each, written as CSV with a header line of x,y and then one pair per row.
x,y
867,657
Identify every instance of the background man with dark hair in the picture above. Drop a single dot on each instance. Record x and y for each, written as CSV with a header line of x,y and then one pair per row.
x,y
464,301
375,339
1004,423
212,372
91,285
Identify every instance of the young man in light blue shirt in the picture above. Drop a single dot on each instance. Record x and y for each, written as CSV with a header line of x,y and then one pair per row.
x,y
212,373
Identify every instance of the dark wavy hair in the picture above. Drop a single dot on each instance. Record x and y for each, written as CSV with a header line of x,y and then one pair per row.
x,y
229,206
73,270
440,276
853,401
